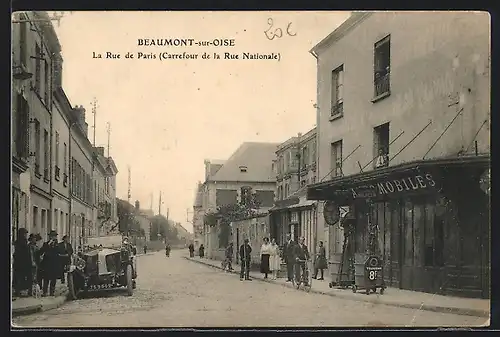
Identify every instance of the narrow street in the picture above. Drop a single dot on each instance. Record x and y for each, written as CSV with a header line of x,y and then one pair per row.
x,y
174,292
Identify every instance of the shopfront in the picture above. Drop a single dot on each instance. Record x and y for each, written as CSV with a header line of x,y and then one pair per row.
x,y
431,218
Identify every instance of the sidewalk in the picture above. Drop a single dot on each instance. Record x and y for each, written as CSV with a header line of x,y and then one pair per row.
x,y
392,296
30,305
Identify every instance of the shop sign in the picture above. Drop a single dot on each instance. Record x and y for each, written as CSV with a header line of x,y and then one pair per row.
x,y
331,213
391,186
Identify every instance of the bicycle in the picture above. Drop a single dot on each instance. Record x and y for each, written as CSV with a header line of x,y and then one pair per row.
x,y
305,278
225,264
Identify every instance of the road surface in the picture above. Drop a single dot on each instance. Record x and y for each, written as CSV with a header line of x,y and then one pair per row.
x,y
175,292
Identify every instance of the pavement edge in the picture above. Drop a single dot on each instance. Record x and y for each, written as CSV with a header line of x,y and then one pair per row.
x,y
374,300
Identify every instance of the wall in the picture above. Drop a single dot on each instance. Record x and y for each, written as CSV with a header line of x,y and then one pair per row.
x,y
81,151
60,175
433,56
255,230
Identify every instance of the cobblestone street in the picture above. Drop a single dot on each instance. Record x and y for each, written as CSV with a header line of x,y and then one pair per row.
x,y
175,292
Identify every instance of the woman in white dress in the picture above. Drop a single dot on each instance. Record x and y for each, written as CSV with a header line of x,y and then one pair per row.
x,y
274,259
264,257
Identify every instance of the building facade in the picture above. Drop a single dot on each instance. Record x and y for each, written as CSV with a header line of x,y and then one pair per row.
x,y
295,168
60,162
248,169
403,133
197,219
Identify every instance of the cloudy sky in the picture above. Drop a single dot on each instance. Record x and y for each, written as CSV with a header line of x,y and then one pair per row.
x,y
167,116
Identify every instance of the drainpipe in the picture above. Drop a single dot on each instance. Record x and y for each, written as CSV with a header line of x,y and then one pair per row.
x,y
70,180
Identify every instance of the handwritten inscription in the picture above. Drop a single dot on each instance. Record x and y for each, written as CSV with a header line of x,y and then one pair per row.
x,y
276,33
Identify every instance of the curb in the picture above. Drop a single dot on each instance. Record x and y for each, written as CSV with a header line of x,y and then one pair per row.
x,y
32,309
374,300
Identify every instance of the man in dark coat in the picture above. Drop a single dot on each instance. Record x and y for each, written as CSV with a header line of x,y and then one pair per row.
x,y
289,256
22,263
65,253
51,264
301,256
245,257
191,250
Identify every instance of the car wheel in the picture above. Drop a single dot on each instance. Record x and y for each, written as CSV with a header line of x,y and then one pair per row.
x,y
71,287
130,285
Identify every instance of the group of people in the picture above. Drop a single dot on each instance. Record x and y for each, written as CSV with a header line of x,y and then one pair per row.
x,y
37,263
201,250
294,255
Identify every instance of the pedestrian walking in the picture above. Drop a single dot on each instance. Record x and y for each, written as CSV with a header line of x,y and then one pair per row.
x,y
264,257
191,250
201,251
245,257
320,263
167,250
274,259
22,264
145,248
229,257
289,255
50,263
65,255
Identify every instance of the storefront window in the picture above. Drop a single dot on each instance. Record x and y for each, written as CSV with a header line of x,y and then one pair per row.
x,y
433,237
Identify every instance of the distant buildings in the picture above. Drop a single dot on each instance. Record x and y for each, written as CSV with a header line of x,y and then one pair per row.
x,y
249,168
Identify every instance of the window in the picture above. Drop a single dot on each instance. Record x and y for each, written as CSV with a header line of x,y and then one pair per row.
x,y
35,220
382,66
246,195
381,145
313,150
65,159
38,66
287,189
46,72
38,141
46,158
265,198
336,159
57,156
313,180
22,41
226,197
305,156
433,237
21,127
337,91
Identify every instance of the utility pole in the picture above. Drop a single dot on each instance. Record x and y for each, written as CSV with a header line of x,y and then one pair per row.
x,y
94,112
151,205
108,130
159,205
129,195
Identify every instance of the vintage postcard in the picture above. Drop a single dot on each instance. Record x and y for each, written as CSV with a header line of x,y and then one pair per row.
x,y
250,169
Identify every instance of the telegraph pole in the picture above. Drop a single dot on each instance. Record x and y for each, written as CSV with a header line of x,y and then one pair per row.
x,y
159,205
129,195
94,112
108,130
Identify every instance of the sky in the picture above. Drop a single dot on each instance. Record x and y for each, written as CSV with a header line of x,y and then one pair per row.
x,y
167,116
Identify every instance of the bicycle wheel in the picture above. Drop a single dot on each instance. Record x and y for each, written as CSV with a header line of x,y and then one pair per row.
x,y
294,280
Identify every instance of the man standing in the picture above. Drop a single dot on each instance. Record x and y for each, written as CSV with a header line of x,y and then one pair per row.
x,y
66,252
245,256
50,263
301,256
289,256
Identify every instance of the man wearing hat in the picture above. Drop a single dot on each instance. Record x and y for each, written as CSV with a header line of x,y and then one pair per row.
x,y
50,264
245,258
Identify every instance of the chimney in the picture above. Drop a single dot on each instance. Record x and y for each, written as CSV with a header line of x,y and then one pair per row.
x,y
79,112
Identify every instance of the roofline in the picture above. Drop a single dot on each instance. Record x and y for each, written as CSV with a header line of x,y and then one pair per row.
x,y
351,22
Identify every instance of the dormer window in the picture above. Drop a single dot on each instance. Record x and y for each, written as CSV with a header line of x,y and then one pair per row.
x,y
243,169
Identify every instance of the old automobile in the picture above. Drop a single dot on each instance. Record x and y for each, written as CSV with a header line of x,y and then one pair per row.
x,y
105,266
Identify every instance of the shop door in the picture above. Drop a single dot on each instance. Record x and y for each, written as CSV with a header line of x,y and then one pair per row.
x,y
406,280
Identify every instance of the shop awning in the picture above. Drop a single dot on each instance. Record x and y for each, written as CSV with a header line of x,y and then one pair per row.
x,y
410,176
